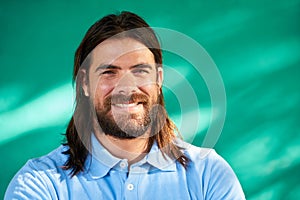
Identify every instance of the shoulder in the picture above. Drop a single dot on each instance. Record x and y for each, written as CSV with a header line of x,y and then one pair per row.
x,y
200,155
35,178
217,178
53,160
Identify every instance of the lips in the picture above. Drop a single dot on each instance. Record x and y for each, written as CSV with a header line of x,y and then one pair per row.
x,y
126,105
127,101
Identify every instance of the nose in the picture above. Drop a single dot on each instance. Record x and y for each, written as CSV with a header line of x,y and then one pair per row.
x,y
126,85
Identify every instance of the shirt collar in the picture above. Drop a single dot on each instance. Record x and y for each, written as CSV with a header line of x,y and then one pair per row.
x,y
159,160
101,161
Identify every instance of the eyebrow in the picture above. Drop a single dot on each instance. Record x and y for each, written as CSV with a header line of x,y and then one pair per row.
x,y
102,67
141,66
107,66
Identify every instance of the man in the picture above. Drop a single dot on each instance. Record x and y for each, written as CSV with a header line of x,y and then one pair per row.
x,y
121,144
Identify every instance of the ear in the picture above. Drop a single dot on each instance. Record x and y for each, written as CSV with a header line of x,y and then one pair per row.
x,y
84,82
160,76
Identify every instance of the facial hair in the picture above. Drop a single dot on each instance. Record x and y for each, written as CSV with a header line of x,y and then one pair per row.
x,y
125,125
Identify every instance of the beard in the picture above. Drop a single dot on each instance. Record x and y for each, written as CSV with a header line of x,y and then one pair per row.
x,y
126,125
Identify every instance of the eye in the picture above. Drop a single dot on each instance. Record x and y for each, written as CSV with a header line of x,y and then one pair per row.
x,y
140,71
108,72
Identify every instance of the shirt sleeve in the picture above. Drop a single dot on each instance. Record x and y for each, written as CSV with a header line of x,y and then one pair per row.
x,y
27,184
223,183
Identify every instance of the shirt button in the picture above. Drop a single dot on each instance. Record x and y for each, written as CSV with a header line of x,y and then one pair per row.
x,y
122,165
130,186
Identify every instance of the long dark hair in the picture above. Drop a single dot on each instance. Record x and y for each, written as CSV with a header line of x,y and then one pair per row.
x,y
80,127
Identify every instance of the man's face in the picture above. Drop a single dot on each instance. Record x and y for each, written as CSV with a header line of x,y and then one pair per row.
x,y
123,85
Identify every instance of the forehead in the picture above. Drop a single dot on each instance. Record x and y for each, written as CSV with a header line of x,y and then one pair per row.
x,y
121,52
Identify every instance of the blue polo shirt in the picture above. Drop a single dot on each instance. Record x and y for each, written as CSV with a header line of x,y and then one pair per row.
x,y
208,176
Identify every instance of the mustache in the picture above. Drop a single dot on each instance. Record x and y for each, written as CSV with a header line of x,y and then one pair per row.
x,y
122,99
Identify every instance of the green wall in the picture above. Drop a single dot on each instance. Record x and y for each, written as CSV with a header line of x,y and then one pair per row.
x,y
255,44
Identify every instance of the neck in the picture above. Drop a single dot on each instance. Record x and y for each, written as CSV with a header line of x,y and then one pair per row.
x,y
131,149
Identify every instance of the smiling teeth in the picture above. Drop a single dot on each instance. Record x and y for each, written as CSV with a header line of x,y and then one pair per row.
x,y
126,105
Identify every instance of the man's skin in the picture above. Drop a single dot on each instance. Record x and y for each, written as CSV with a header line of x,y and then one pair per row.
x,y
131,69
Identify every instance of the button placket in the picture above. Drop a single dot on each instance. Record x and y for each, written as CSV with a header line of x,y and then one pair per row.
x,y
123,164
130,186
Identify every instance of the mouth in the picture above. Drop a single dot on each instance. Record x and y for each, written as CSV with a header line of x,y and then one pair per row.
x,y
132,107
133,104
126,105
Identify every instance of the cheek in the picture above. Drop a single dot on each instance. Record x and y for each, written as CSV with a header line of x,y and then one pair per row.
x,y
99,87
101,92
152,90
